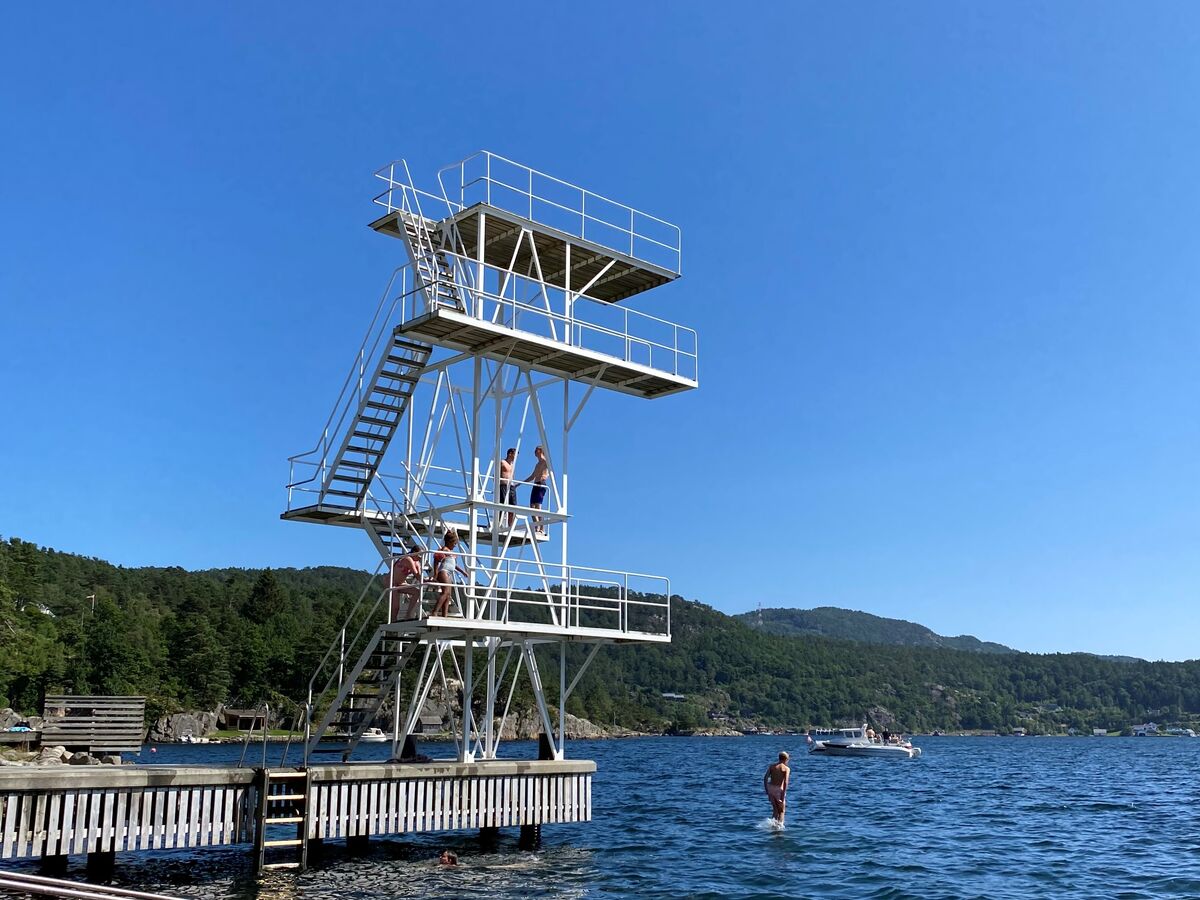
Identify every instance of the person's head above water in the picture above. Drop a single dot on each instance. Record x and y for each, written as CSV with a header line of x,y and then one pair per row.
x,y
783,756
448,858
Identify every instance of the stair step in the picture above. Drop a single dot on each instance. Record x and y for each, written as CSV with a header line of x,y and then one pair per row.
x,y
399,376
344,493
274,797
280,865
287,842
364,450
370,434
391,392
365,466
404,360
284,820
356,478
411,345
275,776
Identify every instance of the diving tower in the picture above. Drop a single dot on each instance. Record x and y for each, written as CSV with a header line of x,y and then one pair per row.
x,y
510,311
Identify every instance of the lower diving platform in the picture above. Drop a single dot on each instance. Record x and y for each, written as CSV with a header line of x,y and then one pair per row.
x,y
333,514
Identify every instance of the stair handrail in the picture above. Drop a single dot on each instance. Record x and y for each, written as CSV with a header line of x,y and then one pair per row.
x,y
358,367
341,634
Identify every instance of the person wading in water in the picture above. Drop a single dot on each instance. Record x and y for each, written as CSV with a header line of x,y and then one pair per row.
x,y
775,782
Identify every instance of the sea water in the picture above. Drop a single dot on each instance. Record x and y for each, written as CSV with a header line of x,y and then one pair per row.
x,y
686,817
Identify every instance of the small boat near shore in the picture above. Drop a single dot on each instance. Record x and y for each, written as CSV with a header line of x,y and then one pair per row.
x,y
373,736
857,742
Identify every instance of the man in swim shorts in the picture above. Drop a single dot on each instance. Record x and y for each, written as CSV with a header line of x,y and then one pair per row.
x,y
775,782
537,494
508,490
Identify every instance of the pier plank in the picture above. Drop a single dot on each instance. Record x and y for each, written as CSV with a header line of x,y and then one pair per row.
x,y
53,825
95,801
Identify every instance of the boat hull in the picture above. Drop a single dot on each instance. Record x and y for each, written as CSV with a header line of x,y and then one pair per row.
x,y
876,751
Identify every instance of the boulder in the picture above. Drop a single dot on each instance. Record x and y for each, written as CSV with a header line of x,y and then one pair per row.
x,y
51,756
112,759
172,728
9,718
83,759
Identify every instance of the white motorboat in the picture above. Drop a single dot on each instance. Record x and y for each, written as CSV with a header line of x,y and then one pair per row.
x,y
856,742
373,736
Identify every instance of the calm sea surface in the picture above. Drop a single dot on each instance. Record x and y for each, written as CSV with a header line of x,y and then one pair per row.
x,y
673,817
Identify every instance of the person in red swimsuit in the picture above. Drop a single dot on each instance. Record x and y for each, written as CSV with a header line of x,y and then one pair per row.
x,y
406,582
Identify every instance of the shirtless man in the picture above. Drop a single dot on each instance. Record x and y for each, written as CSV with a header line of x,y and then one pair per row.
x,y
775,782
537,494
508,491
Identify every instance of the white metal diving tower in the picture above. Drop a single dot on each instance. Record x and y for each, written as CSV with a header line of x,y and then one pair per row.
x,y
492,337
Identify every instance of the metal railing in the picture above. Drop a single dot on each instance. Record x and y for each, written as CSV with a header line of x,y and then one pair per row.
x,y
345,407
486,177
21,883
624,334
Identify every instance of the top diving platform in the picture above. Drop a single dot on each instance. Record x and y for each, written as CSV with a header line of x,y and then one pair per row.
x,y
608,274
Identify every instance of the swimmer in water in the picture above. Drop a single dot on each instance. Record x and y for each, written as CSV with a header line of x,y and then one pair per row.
x,y
775,783
448,858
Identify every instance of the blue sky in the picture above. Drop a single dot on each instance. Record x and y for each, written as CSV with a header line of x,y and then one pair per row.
x,y
942,259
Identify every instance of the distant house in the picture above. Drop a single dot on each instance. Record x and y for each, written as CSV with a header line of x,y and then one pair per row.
x,y
1018,732
1099,732
676,697
242,719
429,724
1145,730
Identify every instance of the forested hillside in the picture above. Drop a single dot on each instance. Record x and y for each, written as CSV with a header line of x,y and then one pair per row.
x,y
193,639
851,625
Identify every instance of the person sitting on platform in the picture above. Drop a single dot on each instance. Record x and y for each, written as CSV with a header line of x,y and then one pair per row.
x,y
537,494
445,564
406,582
508,491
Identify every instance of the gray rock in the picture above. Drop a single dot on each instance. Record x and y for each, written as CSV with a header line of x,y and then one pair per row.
x,y
172,728
113,759
9,718
82,759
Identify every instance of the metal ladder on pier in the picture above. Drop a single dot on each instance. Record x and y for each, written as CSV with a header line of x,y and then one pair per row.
x,y
282,822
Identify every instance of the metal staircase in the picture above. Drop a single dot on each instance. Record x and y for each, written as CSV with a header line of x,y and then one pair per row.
x,y
380,410
361,694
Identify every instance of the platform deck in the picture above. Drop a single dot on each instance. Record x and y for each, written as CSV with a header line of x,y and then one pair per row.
x,y
448,327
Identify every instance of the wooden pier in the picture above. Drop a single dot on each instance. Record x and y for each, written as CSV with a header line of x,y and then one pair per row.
x,y
102,810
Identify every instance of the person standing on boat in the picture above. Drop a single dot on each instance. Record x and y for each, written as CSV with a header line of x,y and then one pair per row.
x,y
537,493
775,782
